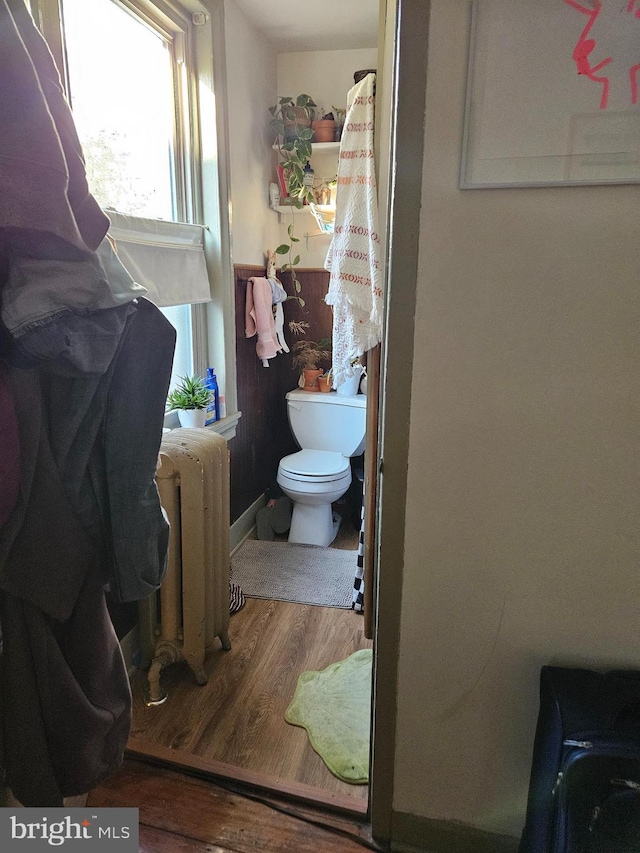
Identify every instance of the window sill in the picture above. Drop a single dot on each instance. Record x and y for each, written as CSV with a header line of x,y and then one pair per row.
x,y
226,427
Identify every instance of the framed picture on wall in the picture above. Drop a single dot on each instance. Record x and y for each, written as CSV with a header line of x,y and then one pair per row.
x,y
553,93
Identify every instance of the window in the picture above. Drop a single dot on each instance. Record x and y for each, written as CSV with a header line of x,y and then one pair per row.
x,y
168,156
124,78
123,107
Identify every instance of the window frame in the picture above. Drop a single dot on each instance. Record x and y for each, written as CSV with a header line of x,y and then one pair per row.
x,y
202,179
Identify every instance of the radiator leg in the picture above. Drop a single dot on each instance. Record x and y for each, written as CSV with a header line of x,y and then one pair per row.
x,y
224,639
198,672
166,653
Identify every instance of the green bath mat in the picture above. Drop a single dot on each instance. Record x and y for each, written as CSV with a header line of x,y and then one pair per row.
x,y
334,706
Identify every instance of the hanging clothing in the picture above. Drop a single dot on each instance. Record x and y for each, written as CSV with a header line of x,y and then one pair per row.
x,y
278,296
40,291
88,516
259,319
87,363
65,702
355,284
94,433
45,198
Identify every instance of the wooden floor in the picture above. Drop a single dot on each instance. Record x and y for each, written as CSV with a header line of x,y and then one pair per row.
x,y
238,717
179,814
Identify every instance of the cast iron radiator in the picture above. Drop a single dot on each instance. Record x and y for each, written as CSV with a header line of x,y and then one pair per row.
x,y
191,608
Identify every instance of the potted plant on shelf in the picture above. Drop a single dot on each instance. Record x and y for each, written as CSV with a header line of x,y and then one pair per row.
x,y
307,356
324,128
291,120
340,115
290,117
190,399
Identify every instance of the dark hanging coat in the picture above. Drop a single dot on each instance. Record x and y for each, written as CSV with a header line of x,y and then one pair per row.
x,y
83,395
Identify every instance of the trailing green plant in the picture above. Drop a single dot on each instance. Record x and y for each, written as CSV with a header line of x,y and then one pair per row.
x,y
291,121
190,393
287,249
321,192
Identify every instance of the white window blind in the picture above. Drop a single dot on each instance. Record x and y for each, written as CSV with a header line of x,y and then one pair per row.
x,y
165,257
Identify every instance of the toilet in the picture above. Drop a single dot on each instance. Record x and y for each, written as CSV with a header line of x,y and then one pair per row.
x,y
330,429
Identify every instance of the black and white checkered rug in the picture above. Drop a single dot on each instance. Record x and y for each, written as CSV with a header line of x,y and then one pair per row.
x,y
236,597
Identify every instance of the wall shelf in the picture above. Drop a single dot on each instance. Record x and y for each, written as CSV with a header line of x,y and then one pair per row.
x,y
284,209
290,208
321,147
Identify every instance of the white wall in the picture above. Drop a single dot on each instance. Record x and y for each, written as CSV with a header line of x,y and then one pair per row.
x,y
522,503
251,84
255,79
326,76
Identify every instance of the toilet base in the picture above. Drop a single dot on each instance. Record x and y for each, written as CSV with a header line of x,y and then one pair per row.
x,y
314,525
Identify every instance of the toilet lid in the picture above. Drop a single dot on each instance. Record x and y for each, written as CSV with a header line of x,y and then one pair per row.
x,y
316,464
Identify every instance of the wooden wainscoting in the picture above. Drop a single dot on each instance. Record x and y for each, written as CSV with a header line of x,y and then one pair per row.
x,y
263,436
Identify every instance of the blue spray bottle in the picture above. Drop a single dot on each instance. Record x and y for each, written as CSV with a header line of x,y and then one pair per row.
x,y
213,407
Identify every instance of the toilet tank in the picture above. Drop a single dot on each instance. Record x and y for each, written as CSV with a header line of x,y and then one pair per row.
x,y
328,421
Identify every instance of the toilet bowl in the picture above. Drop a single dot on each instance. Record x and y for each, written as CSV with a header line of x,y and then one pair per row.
x,y
329,429
314,479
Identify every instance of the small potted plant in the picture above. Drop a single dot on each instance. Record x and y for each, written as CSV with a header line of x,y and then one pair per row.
x,y
307,356
351,384
324,128
289,117
190,399
325,382
340,115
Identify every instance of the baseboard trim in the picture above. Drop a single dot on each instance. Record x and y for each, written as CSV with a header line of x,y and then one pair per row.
x,y
411,833
242,527
208,768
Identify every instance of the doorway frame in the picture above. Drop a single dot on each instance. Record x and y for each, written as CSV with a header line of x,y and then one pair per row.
x,y
407,27
402,86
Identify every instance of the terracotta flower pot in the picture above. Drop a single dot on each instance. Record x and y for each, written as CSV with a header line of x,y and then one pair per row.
x,y
324,383
311,379
323,130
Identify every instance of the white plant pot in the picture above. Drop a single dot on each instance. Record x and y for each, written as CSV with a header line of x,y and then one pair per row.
x,y
192,417
349,387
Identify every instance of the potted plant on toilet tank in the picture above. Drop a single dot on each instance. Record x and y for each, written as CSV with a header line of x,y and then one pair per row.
x,y
307,357
190,399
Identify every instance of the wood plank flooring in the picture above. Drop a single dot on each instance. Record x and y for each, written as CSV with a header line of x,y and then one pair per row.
x,y
179,814
238,717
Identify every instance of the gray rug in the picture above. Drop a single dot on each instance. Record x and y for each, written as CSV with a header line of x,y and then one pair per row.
x,y
306,574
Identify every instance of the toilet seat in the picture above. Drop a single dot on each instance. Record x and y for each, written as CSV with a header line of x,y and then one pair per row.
x,y
318,466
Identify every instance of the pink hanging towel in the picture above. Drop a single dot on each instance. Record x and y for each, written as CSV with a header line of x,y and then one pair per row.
x,y
259,319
